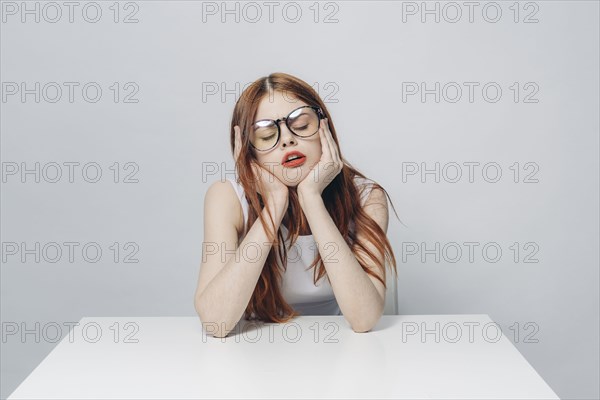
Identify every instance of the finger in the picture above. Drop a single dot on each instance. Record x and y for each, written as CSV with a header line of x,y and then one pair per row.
x,y
238,142
327,150
255,167
335,148
324,142
255,174
332,145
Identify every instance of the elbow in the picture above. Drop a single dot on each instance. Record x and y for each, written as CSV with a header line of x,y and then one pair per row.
x,y
211,326
362,328
367,322
364,325
214,329
197,305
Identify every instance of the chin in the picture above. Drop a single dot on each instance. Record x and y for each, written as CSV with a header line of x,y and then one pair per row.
x,y
294,176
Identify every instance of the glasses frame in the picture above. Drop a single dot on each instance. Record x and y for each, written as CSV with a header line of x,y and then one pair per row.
x,y
320,116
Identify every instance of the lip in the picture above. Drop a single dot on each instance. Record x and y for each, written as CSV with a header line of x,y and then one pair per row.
x,y
295,163
292,153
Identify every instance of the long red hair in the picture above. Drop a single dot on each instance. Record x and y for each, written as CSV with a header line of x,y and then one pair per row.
x,y
341,198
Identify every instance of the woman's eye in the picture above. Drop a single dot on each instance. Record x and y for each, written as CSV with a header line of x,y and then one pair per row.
x,y
266,139
302,128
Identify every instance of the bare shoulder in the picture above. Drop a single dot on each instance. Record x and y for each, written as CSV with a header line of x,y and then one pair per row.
x,y
374,202
376,196
369,192
222,199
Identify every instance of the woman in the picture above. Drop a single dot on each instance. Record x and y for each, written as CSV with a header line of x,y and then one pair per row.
x,y
293,187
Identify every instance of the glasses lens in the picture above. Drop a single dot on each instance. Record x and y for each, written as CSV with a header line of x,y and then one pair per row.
x,y
304,122
263,135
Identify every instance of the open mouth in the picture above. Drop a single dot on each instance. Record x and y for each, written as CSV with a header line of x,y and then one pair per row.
x,y
295,162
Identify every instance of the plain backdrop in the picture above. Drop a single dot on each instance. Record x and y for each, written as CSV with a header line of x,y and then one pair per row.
x,y
169,85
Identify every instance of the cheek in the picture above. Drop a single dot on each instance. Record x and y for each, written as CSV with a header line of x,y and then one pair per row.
x,y
261,160
270,164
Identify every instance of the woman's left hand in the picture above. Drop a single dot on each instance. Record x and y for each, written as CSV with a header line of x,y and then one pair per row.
x,y
328,167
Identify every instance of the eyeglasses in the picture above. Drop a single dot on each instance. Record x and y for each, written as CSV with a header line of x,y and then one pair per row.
x,y
303,122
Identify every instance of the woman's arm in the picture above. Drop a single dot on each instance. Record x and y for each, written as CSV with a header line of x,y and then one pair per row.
x,y
361,297
227,278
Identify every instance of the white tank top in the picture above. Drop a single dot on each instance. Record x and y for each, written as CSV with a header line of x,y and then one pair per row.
x,y
298,288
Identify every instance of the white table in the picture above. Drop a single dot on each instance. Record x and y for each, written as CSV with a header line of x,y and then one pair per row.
x,y
313,356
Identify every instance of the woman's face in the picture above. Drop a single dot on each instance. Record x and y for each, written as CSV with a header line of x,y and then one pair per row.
x,y
276,106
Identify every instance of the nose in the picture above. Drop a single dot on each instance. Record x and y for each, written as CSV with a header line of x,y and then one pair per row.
x,y
287,137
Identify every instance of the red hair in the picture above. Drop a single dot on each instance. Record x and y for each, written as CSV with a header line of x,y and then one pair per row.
x,y
341,198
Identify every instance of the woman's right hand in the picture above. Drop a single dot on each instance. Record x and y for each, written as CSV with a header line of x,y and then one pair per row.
x,y
274,188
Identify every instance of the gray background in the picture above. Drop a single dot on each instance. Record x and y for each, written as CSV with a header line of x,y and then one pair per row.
x,y
358,65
